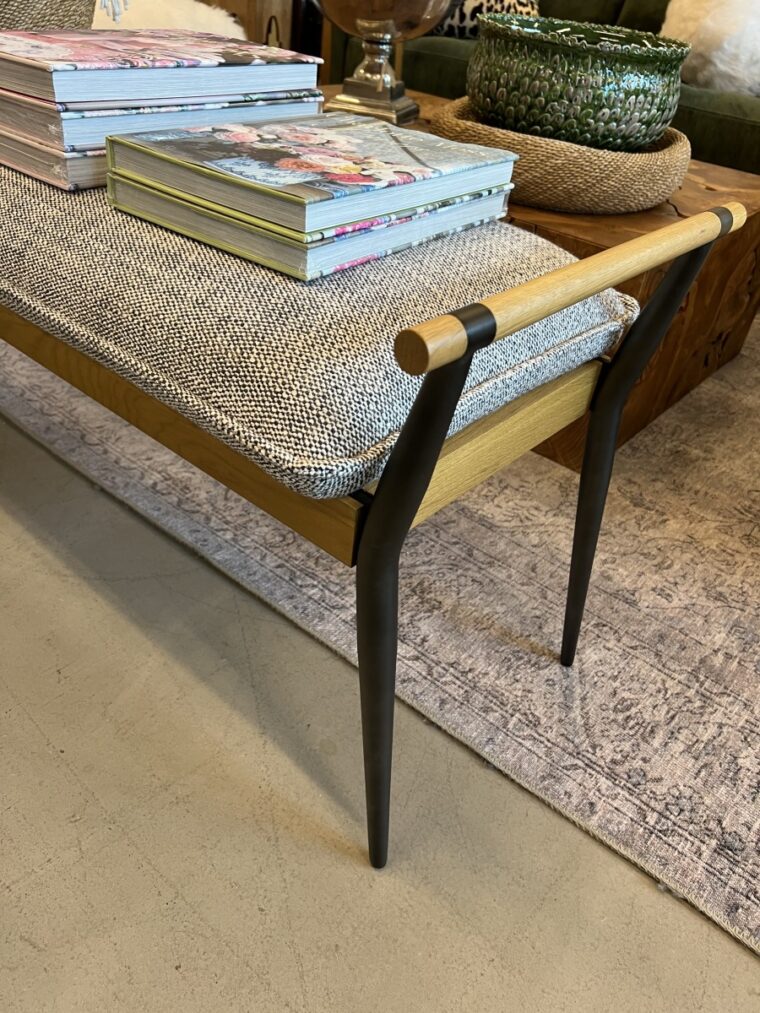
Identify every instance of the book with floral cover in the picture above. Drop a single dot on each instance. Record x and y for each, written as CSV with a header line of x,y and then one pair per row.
x,y
310,174
146,65
99,107
321,236
81,130
285,251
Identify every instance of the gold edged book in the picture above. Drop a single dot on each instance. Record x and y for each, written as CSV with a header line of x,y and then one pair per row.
x,y
311,174
303,256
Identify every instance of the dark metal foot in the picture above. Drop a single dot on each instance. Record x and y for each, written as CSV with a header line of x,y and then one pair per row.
x,y
377,635
598,460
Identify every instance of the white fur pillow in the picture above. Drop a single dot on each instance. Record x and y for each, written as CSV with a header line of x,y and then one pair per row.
x,y
725,42
190,14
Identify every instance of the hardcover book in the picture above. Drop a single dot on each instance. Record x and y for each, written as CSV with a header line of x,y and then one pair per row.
x,y
65,169
80,130
141,66
310,174
252,239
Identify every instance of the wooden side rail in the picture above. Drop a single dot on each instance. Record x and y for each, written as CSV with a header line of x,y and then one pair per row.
x,y
444,339
333,524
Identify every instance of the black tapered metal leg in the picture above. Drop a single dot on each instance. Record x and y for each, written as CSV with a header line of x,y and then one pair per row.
x,y
391,513
598,460
377,638
615,384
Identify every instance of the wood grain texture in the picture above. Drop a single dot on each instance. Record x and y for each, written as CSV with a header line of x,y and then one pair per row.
x,y
326,52
714,320
254,15
438,341
493,442
444,340
466,460
331,524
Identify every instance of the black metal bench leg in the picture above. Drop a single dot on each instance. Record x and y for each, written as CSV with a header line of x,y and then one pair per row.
x,y
377,639
598,459
389,517
614,386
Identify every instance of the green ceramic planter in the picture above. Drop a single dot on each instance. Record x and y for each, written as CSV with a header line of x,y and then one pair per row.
x,y
601,86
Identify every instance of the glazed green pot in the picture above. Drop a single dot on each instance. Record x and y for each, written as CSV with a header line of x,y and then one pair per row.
x,y
601,86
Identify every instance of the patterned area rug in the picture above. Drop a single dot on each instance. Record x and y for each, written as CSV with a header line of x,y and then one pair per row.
x,y
652,741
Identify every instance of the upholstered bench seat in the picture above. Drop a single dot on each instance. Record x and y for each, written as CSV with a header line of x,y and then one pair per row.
x,y
300,378
206,352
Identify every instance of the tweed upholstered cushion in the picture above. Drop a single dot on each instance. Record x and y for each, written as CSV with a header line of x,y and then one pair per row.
x,y
300,378
35,15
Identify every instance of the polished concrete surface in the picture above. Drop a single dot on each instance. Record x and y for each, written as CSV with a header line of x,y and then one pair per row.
x,y
181,813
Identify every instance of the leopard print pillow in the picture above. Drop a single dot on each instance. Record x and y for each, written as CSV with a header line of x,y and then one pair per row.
x,y
35,15
462,19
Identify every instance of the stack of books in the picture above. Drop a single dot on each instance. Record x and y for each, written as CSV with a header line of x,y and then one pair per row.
x,y
308,196
62,93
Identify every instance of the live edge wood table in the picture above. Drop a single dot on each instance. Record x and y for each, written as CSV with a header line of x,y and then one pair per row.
x,y
714,319
713,322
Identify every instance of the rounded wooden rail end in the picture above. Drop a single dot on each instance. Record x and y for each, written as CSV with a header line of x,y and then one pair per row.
x,y
434,343
738,214
420,349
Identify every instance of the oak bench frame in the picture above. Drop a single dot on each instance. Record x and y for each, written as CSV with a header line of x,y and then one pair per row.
x,y
425,470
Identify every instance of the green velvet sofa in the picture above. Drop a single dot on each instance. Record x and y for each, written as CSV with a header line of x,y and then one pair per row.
x,y
723,127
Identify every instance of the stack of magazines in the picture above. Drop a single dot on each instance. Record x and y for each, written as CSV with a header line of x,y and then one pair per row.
x,y
308,196
62,93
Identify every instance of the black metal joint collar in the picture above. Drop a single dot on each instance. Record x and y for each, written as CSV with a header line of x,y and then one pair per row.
x,y
479,324
726,219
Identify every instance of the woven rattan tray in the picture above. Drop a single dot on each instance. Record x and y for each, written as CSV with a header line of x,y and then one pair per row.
x,y
569,177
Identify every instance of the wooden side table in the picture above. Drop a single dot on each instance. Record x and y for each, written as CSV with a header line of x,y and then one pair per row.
x,y
711,325
713,322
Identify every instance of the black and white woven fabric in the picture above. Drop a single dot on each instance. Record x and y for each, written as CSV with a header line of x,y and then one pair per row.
x,y
36,15
300,378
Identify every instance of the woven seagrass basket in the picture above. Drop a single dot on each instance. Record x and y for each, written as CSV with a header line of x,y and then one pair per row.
x,y
571,177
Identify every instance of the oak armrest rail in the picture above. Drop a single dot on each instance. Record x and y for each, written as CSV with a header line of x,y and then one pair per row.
x,y
442,340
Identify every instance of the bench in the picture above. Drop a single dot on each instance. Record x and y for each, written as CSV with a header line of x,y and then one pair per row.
x,y
355,407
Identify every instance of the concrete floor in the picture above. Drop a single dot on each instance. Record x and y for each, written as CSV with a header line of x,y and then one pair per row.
x,y
182,814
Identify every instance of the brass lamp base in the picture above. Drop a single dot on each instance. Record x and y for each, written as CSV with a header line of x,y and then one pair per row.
x,y
373,90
